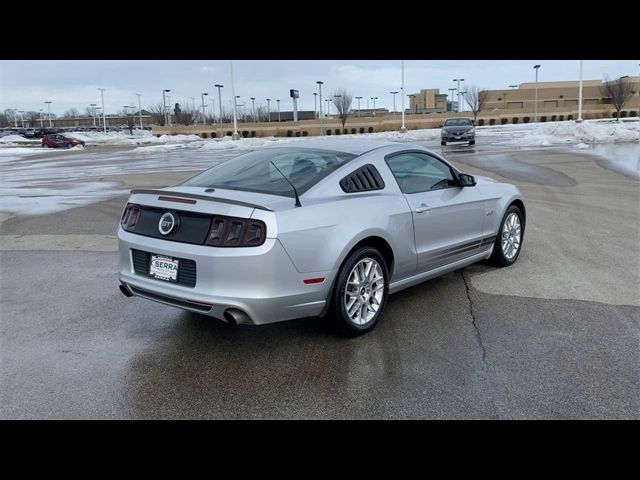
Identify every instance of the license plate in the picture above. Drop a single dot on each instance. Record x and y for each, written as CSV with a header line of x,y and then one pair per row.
x,y
458,138
163,268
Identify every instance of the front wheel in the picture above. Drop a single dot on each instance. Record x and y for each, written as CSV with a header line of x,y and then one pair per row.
x,y
508,244
361,292
472,142
443,142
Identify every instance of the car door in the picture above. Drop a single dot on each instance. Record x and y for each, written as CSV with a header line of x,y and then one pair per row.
x,y
447,218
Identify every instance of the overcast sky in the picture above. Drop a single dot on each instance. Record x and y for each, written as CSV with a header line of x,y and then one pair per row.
x,y
26,85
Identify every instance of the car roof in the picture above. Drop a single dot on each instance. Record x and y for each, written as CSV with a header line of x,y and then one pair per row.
x,y
356,146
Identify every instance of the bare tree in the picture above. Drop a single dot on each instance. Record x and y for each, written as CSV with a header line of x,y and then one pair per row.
x,y
186,115
342,100
618,92
157,114
476,98
71,113
130,119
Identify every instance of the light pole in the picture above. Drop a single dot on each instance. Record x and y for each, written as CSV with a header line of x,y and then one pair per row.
x,y
461,95
394,101
164,106
358,98
220,104
213,108
278,102
403,129
104,121
204,117
328,107
374,105
94,119
580,96
21,117
458,80
513,86
235,102
48,113
269,110
315,105
253,102
140,108
452,90
236,135
320,95
535,107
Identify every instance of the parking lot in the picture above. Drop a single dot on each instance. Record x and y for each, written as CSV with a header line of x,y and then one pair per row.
x,y
557,335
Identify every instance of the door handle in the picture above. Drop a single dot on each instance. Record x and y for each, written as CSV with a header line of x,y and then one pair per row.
x,y
423,208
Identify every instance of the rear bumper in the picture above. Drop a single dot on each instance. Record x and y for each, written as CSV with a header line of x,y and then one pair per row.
x,y
262,282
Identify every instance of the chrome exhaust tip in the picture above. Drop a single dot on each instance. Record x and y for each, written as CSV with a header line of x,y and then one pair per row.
x,y
234,316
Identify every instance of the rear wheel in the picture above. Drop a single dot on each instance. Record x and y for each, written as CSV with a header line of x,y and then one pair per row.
x,y
508,244
443,142
361,292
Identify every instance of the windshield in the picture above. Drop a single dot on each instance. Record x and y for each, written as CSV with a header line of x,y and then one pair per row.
x,y
457,122
253,171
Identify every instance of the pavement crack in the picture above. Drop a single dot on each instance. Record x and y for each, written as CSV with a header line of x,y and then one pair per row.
x,y
483,350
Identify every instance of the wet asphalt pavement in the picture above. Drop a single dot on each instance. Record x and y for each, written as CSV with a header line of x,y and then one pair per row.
x,y
555,336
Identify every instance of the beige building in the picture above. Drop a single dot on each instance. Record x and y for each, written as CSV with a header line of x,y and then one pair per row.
x,y
558,99
428,100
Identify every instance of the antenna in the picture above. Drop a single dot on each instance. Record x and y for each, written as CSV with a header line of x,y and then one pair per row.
x,y
298,204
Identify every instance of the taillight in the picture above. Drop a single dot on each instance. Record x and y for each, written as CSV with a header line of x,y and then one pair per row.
x,y
130,216
236,232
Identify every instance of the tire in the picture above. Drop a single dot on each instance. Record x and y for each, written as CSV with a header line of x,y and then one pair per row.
x,y
472,142
499,257
345,323
443,142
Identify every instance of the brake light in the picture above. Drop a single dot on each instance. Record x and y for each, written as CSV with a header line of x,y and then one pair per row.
x,y
130,216
236,232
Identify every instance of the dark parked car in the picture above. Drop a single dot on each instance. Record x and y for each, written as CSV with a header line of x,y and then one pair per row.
x,y
458,130
60,141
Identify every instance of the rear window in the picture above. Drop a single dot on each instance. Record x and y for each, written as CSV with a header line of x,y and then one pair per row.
x,y
254,172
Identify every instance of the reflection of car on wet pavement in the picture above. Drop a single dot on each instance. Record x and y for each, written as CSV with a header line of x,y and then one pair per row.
x,y
60,141
458,130
329,228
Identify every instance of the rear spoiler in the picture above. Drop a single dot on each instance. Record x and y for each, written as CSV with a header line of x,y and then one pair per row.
x,y
198,197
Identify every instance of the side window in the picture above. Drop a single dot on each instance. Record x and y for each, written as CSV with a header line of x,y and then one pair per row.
x,y
418,172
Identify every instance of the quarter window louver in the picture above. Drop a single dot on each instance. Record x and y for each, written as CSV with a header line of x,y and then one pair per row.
x,y
364,179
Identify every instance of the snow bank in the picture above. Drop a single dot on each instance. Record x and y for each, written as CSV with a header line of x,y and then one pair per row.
x,y
18,139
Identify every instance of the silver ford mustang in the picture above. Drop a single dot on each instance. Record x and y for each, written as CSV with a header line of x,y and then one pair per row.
x,y
326,227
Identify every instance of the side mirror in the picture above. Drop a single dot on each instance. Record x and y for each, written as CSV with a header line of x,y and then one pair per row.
x,y
467,180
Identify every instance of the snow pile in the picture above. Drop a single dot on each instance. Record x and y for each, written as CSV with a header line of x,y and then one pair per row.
x,y
13,139
564,133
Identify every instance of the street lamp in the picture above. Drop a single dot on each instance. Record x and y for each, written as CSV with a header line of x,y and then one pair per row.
x,y
204,118
451,95
164,106
220,104
253,101
140,109
513,86
320,94
328,107
278,102
461,95
236,135
48,113
93,113
374,105
580,96
21,117
94,119
403,129
315,105
235,102
458,80
358,98
269,110
535,116
394,101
